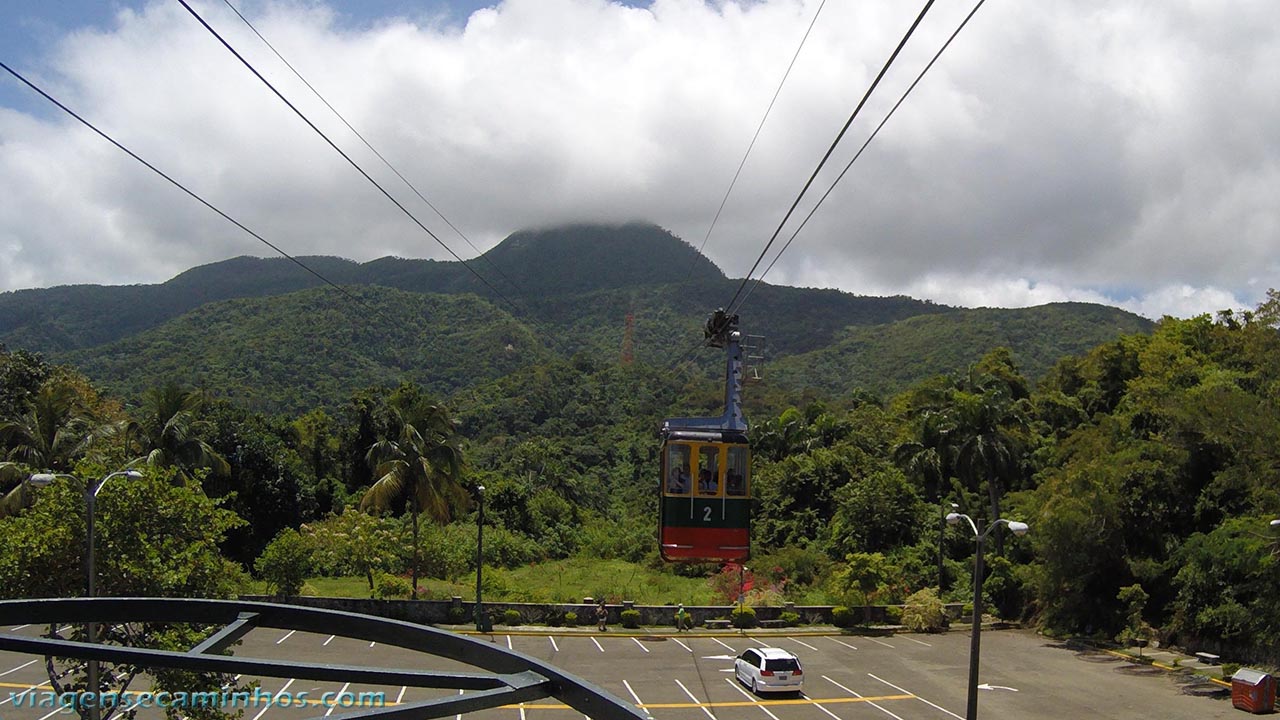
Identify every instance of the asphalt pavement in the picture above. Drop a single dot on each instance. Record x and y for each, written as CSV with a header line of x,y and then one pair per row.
x,y
687,676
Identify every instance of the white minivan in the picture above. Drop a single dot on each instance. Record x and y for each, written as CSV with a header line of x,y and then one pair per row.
x,y
769,670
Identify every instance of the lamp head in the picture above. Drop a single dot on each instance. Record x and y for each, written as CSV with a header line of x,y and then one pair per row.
x,y
132,473
953,518
1018,528
41,479
1275,523
479,488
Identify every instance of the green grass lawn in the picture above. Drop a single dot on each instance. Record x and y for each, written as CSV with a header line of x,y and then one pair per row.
x,y
559,581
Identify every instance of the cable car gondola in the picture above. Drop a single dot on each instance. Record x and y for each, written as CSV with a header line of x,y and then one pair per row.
x,y
705,508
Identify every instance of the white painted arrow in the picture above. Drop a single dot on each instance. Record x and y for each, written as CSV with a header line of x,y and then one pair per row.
x,y
985,686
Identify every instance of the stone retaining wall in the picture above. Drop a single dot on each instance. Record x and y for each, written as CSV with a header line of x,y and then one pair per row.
x,y
437,612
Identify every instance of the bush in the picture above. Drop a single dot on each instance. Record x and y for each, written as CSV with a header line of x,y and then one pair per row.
x,y
391,586
571,619
893,614
457,615
743,617
554,618
511,617
790,619
285,562
630,618
841,617
924,612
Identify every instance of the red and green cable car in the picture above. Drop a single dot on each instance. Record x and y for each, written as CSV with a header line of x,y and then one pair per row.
x,y
705,508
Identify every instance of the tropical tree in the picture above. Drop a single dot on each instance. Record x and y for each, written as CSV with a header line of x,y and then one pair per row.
x,y
984,446
21,375
864,572
168,434
418,462
355,543
976,431
923,458
53,433
778,438
155,540
877,511
316,442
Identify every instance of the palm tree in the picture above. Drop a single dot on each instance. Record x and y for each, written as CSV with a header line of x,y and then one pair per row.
x,y
419,461
925,458
167,434
983,446
781,437
53,433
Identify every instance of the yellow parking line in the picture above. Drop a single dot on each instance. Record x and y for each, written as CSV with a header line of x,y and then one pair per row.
x,y
665,706
740,703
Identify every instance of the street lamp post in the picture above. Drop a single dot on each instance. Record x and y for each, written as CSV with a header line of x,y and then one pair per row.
x,y
91,491
975,640
482,622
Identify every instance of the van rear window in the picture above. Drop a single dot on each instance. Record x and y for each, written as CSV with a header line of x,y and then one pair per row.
x,y
781,665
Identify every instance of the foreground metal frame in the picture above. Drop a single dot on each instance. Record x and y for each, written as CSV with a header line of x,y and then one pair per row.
x,y
510,677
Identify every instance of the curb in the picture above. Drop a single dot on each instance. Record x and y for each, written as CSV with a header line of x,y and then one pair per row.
x,y
1162,666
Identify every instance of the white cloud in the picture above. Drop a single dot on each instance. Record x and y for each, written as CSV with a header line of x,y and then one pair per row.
x,y
1057,150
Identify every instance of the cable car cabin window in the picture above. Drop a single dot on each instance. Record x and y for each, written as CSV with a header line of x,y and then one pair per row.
x,y
736,472
708,470
678,478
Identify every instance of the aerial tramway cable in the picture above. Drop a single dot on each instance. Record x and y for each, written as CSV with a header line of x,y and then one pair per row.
x,y
755,137
372,149
519,310
190,192
732,306
857,155
347,157
735,302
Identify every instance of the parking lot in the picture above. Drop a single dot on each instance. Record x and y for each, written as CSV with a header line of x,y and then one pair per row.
x,y
908,677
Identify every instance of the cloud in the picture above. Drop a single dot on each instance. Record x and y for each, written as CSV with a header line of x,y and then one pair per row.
x,y
1114,152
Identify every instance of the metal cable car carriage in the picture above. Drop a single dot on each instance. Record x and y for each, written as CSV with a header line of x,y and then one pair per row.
x,y
705,508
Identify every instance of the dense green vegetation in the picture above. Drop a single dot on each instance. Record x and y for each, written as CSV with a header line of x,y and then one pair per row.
x,y
1146,463
1146,467
889,358
314,348
268,336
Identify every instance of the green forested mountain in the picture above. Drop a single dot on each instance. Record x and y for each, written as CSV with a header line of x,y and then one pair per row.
x,y
265,333
888,358
314,348
528,265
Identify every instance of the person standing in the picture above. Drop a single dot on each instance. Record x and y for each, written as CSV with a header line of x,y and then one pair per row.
x,y
684,621
602,617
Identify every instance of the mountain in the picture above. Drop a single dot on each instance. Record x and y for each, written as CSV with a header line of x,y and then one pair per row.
x,y
888,358
527,264
276,337
315,347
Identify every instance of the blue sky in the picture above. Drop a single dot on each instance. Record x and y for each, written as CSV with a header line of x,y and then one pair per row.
x,y
1115,151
